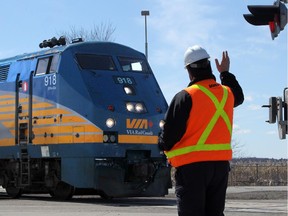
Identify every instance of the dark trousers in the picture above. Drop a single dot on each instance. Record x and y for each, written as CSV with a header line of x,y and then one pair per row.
x,y
201,188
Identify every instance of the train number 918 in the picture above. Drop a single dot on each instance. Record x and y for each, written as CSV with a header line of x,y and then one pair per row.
x,y
124,80
50,80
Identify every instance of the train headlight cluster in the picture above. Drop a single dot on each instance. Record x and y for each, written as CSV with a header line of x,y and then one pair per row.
x,y
136,107
110,122
110,137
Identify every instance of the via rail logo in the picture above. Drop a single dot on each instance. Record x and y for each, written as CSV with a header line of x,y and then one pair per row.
x,y
138,126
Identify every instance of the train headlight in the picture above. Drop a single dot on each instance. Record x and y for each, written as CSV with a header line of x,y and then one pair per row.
x,y
139,108
112,138
161,124
110,122
105,138
129,90
130,107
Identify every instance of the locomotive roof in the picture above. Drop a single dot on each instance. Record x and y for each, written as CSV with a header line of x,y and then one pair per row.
x,y
108,48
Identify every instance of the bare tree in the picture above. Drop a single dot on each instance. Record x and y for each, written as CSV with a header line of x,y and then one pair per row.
x,y
237,149
102,32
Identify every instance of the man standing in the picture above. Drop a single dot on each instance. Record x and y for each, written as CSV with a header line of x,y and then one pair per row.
x,y
196,136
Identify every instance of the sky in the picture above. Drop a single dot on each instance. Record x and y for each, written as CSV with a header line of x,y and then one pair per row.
x,y
258,62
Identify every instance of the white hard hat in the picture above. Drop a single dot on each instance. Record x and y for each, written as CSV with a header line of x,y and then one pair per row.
x,y
194,54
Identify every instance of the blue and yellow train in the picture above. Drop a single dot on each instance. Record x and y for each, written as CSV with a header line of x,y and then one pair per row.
x,y
81,118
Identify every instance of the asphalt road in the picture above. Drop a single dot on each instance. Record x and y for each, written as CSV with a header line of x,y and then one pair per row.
x,y
244,204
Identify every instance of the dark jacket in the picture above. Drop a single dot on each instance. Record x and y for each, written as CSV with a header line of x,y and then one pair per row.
x,y
180,107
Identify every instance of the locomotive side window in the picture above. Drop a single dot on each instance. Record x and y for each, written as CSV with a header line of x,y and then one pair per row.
x,y
47,65
42,66
133,65
54,64
95,62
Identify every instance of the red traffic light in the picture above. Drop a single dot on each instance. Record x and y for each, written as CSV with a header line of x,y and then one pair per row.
x,y
272,27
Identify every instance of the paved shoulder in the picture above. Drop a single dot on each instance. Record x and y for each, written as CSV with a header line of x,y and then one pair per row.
x,y
257,192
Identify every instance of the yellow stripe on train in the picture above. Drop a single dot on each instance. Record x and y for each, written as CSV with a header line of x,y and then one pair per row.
x,y
68,139
137,139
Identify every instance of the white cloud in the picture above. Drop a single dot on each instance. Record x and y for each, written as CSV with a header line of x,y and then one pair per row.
x,y
235,126
249,98
254,107
242,131
272,132
238,130
180,24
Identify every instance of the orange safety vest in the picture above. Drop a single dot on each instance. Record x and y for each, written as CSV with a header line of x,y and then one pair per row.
x,y
209,126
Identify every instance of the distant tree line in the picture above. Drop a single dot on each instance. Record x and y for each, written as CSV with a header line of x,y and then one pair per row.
x,y
258,172
255,172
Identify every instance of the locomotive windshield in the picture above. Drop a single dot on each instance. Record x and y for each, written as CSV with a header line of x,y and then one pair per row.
x,y
133,65
95,62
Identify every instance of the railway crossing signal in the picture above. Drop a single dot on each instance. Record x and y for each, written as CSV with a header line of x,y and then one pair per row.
x,y
273,15
278,112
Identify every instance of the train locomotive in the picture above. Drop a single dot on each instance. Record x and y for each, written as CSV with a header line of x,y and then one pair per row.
x,y
81,118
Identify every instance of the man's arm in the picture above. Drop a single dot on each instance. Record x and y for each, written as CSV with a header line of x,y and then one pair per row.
x,y
228,79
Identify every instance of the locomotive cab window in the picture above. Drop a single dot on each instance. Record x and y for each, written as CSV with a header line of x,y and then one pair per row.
x,y
95,62
47,65
133,65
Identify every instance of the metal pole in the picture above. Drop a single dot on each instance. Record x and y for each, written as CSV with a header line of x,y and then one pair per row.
x,y
145,14
146,41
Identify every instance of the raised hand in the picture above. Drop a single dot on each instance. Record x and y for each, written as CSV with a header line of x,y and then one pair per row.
x,y
225,63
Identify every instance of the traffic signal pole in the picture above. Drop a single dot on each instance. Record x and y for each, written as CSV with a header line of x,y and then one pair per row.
x,y
276,17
